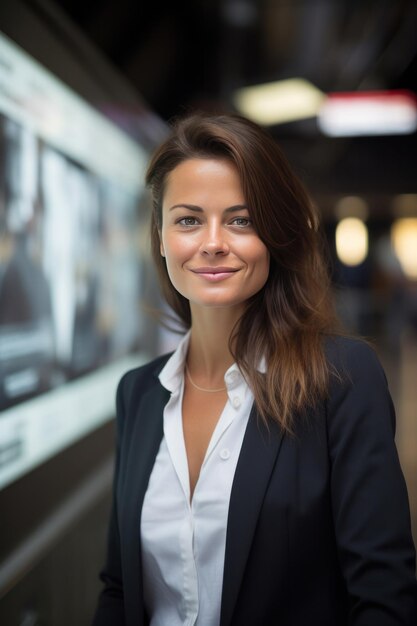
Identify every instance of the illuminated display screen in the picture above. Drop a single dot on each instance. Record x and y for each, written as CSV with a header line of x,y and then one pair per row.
x,y
71,188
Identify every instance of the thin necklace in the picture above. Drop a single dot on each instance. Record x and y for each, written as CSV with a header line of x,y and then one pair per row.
x,y
201,388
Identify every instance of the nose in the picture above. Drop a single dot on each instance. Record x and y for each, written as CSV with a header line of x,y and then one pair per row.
x,y
214,241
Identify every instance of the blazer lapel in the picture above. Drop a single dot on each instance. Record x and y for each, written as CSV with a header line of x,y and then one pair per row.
x,y
259,451
148,427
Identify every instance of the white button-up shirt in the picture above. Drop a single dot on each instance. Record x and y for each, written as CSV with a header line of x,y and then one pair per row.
x,y
183,542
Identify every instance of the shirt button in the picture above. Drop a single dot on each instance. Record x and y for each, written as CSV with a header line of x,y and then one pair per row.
x,y
236,402
225,454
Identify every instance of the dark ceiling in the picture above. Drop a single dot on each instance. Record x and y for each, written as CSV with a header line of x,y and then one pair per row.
x,y
194,53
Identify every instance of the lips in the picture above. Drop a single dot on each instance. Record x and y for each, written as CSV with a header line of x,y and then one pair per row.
x,y
214,270
214,274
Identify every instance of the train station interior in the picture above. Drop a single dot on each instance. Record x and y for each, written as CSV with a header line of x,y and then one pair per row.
x,y
88,90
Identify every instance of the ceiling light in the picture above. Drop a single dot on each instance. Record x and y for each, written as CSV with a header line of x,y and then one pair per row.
x,y
368,113
404,242
279,102
352,241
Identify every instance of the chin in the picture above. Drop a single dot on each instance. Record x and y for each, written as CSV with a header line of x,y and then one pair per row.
x,y
218,303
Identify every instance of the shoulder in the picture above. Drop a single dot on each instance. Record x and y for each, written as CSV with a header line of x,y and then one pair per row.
x,y
350,358
139,380
342,348
358,387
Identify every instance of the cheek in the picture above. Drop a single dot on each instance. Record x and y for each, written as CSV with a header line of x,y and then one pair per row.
x,y
258,256
262,265
175,249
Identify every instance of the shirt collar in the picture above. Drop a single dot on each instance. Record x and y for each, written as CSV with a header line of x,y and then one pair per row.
x,y
172,373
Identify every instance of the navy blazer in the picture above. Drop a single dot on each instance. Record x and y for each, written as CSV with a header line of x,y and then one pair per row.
x,y
318,531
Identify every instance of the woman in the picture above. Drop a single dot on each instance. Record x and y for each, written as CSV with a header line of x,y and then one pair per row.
x,y
257,481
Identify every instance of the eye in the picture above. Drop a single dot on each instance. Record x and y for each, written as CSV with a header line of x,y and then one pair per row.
x,y
188,221
241,222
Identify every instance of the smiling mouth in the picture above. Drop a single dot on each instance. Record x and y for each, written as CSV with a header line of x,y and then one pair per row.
x,y
214,274
214,270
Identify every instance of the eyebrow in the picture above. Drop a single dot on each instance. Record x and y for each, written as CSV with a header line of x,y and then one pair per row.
x,y
198,209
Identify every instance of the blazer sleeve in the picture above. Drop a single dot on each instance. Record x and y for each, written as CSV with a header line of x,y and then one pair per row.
x,y
369,496
110,608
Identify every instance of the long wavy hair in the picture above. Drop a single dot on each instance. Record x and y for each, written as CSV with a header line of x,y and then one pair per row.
x,y
285,322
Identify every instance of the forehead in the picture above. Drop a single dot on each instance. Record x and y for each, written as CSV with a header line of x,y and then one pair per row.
x,y
205,178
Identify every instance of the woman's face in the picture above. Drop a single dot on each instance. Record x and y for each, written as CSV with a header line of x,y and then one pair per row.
x,y
213,255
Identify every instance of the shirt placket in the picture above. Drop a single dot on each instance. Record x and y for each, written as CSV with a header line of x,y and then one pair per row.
x,y
190,582
176,448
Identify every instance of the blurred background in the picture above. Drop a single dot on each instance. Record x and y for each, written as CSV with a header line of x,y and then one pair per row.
x,y
87,90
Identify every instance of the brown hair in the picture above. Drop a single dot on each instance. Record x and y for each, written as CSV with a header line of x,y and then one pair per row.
x,y
285,321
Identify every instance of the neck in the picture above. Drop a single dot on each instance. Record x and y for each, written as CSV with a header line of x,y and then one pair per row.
x,y
208,354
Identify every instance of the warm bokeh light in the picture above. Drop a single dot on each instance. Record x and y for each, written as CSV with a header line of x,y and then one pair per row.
x,y
279,102
404,242
351,241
